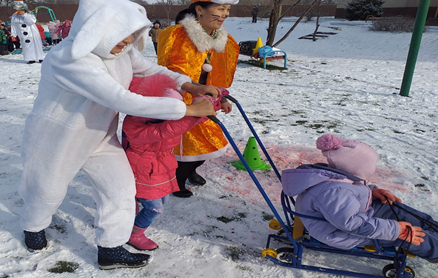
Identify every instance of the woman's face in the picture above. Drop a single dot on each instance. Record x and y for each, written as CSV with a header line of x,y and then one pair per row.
x,y
213,16
121,45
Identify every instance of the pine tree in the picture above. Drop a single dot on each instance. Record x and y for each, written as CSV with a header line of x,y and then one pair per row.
x,y
360,9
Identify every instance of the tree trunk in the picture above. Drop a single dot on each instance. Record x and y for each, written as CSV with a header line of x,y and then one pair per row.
x,y
273,22
317,27
296,23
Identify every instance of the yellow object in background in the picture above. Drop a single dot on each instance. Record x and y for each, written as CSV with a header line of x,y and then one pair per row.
x,y
258,44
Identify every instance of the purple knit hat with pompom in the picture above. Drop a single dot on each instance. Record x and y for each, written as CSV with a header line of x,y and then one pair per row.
x,y
351,156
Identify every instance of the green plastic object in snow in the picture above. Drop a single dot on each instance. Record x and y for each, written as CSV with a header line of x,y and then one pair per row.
x,y
252,157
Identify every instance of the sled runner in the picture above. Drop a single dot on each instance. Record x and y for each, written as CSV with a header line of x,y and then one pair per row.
x,y
294,240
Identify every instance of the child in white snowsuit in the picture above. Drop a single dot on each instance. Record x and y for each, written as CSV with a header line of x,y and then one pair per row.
x,y
73,124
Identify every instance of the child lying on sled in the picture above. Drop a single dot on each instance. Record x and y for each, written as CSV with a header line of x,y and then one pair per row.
x,y
357,213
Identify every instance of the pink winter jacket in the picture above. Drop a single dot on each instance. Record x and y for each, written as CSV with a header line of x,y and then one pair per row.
x,y
150,153
64,29
53,31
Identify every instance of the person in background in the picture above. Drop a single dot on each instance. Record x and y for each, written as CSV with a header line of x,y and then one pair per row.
x,y
254,13
201,48
7,29
48,38
73,125
357,213
149,148
154,32
23,26
42,35
14,42
4,39
53,30
64,29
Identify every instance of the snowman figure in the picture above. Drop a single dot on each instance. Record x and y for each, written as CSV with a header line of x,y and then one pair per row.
x,y
23,25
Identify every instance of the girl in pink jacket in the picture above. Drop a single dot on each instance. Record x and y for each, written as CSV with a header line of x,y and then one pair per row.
x,y
53,30
64,29
149,147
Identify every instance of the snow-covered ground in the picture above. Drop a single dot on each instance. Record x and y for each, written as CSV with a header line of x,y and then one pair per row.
x,y
347,84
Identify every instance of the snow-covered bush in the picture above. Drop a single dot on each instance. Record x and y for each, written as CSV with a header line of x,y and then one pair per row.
x,y
393,24
360,9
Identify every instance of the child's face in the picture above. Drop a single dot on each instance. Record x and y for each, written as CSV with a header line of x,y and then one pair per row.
x,y
156,25
21,12
121,45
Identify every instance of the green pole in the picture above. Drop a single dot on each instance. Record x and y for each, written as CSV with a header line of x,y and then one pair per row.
x,y
420,21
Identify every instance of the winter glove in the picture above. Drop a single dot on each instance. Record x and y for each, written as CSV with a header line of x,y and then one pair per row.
x,y
382,194
410,233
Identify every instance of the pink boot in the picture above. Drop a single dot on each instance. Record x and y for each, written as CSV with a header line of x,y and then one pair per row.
x,y
140,241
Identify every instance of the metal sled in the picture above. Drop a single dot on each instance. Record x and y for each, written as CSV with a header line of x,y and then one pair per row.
x,y
292,234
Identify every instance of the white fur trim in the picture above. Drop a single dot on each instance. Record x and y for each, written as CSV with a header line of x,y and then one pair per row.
x,y
201,157
202,40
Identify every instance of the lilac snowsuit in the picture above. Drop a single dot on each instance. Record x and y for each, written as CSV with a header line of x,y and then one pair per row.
x,y
353,217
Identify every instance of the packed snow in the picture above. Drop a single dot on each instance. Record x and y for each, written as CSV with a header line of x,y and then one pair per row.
x,y
346,84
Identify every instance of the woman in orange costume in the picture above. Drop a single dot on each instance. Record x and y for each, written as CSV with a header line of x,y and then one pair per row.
x,y
199,47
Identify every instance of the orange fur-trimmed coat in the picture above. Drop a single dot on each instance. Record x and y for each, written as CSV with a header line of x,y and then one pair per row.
x,y
183,48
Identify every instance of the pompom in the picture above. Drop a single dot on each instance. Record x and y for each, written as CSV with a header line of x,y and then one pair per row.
x,y
328,142
152,86
207,67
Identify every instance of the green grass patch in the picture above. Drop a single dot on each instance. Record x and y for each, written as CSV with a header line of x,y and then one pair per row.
x,y
233,253
266,216
64,266
225,219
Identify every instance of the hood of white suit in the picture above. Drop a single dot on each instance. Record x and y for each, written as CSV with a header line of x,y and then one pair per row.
x,y
99,25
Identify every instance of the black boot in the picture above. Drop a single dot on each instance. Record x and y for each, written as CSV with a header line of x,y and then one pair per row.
x,y
31,62
184,193
118,257
35,240
196,179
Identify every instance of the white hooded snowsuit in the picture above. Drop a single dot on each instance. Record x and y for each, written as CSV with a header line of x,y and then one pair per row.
x,y
74,120
24,27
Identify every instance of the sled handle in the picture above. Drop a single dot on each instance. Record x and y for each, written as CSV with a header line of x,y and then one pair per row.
x,y
213,118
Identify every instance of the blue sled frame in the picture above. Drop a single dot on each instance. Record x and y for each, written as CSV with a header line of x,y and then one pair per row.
x,y
291,256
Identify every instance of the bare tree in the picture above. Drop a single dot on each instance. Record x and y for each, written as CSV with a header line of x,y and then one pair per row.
x,y
10,3
167,7
182,2
277,15
7,3
318,13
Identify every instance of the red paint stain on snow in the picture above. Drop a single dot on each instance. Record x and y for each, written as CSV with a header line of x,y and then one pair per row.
x,y
284,157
